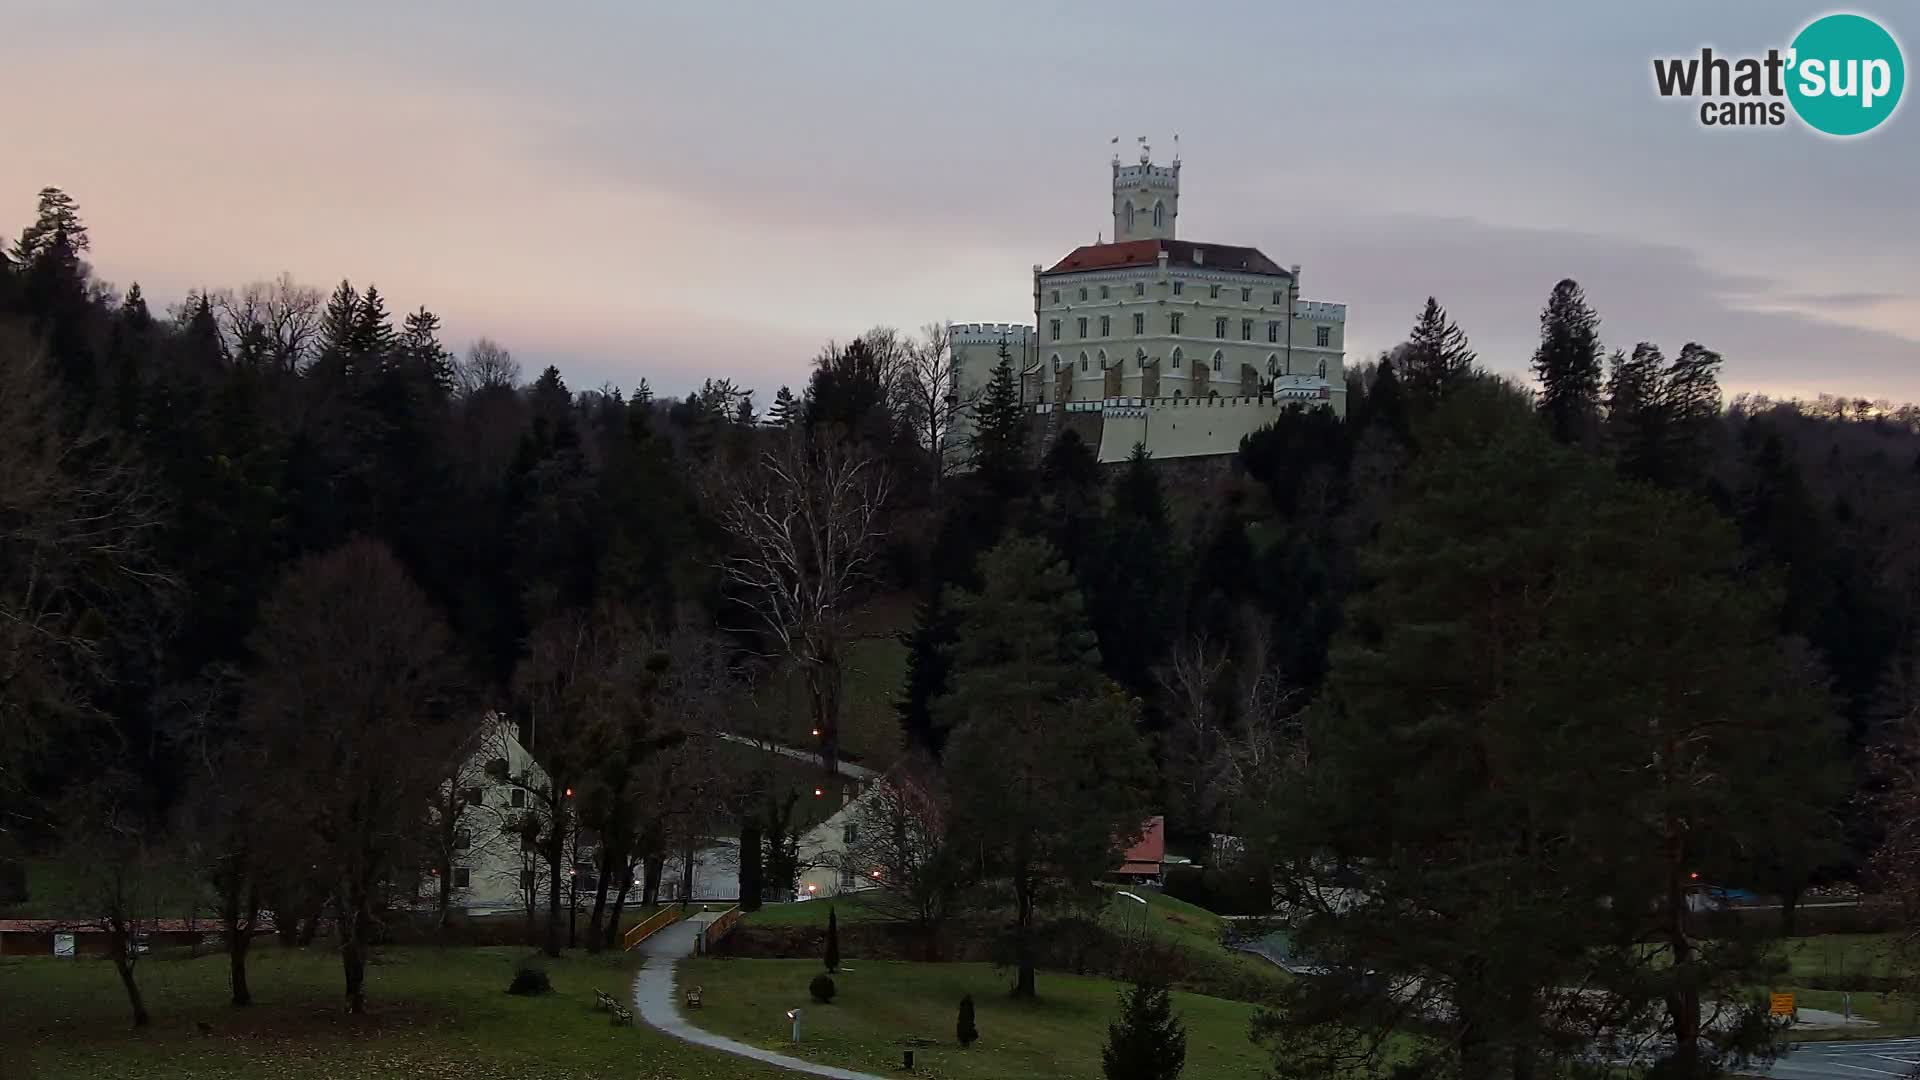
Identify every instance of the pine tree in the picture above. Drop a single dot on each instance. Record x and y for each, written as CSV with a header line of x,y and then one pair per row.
x,y
1636,414
1147,1042
1385,406
56,231
1437,356
643,395
421,350
1567,363
784,410
372,337
1000,431
1134,584
833,941
963,1028
338,322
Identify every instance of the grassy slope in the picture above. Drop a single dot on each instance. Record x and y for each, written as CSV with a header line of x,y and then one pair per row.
x,y
881,1004
435,1013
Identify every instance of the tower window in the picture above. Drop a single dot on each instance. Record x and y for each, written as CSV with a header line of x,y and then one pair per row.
x,y
1139,323
1323,336
1220,326
1083,326
1246,296
1055,298
1219,360
1213,292
1273,330
1083,292
1173,323
1159,215
1323,369
1179,287
1139,288
1129,217
1106,325
1246,329
1053,327
1103,292
1279,296
1176,359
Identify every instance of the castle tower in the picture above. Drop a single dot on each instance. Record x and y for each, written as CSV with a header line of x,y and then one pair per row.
x,y
1146,198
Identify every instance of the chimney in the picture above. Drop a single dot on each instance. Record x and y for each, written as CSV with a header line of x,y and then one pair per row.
x,y
1295,271
1161,260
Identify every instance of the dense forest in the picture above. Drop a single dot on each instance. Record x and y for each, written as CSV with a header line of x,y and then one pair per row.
x,y
267,557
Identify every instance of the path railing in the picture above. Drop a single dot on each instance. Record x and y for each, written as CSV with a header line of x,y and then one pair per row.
x,y
716,931
649,926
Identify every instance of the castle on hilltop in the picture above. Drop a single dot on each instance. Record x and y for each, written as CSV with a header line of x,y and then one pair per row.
x,y
1183,346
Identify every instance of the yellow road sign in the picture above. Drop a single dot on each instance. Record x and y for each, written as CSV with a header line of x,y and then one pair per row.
x,y
1781,1005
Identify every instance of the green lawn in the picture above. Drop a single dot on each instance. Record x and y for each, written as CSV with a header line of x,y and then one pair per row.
x,y
434,1013
882,1004
55,891
1837,956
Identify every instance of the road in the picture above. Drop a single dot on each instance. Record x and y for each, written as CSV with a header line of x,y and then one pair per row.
x,y
1848,1060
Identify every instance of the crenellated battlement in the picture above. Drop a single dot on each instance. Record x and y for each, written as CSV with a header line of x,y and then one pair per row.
x,y
1148,176
1320,311
988,333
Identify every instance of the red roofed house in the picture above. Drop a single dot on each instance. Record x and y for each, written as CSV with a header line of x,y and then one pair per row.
x,y
1180,345
1143,860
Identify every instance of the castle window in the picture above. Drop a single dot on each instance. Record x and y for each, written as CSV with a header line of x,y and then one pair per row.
x,y
1106,325
1103,292
1159,215
462,877
1129,217
475,797
1083,326
1273,330
1246,296
1219,360
1139,288
1246,329
1139,323
1323,336
1273,365
1323,369
1179,287
1213,292
1176,359
1083,362
1173,323
518,797
1140,359
1279,296
1053,327
1220,327
1083,292
1177,393
1056,297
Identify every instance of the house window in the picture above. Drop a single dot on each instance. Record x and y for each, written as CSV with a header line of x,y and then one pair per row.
x,y
518,798
462,839
1323,336
1246,329
1103,292
476,797
1213,292
1106,325
1083,292
1053,327
1055,298
1323,369
850,832
846,877
1176,359
1178,287
1279,296
1220,327
1218,360
1139,323
1082,326
462,877
1246,296
1273,330
1173,323
1139,288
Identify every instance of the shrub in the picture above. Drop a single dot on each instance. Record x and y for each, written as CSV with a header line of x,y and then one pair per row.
x,y
530,978
833,941
822,989
1147,1042
963,1028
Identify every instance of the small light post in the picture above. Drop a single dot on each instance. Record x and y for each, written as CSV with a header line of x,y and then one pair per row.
x,y
794,1015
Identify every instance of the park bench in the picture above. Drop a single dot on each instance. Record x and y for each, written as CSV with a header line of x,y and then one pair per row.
x,y
621,1017
693,998
603,1000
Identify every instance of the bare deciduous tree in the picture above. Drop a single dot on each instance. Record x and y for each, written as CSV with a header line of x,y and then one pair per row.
x,y
805,527
356,697
487,366
901,844
272,322
1194,737
115,867
929,395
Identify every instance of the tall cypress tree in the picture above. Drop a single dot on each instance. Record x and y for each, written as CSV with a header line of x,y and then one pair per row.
x,y
1567,363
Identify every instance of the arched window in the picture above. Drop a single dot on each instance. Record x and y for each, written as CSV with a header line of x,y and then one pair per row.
x,y
1177,393
1083,361
1323,369
1159,215
1219,360
1103,360
1140,359
1129,216
1176,359
1273,364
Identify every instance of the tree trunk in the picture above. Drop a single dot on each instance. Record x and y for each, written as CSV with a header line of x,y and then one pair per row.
x,y
752,885
656,865
554,854
122,944
619,904
1023,986
596,939
445,899
237,967
1790,910
1683,1001
686,874
823,692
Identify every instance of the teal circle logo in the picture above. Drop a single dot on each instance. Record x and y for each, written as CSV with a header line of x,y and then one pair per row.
x,y
1846,74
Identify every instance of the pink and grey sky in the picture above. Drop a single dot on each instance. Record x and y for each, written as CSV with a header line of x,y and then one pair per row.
x,y
686,190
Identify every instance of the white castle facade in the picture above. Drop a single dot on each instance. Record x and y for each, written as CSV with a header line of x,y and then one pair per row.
x,y
1183,346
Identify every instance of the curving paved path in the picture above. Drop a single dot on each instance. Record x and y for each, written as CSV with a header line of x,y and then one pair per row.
x,y
655,1001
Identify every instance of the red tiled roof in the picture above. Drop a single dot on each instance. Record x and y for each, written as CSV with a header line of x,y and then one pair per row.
x,y
1179,253
1145,856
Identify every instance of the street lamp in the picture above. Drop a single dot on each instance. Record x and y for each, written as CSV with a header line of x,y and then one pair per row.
x,y
794,1015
